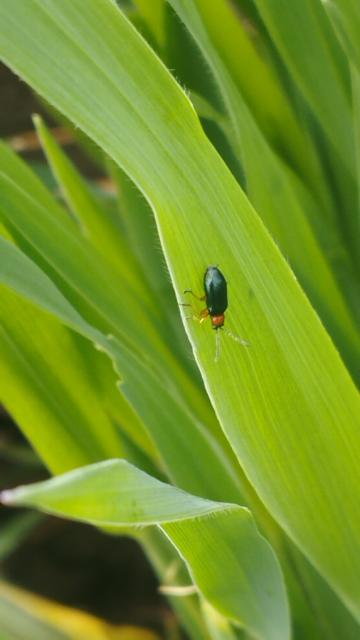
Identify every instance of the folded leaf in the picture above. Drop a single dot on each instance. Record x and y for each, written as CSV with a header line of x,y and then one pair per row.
x,y
230,562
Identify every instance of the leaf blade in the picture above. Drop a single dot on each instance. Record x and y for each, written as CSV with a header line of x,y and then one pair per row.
x,y
116,494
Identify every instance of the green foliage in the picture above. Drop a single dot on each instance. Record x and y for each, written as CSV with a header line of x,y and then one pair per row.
x,y
115,494
272,427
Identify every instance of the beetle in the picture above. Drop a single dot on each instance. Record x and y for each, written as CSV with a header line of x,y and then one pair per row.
x,y
215,288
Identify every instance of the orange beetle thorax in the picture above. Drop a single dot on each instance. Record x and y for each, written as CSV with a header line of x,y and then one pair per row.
x,y
218,321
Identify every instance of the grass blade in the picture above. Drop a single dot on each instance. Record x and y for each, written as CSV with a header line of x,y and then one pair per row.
x,y
94,220
317,63
51,396
345,15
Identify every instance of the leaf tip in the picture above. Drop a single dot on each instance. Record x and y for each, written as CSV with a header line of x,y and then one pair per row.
x,y
7,497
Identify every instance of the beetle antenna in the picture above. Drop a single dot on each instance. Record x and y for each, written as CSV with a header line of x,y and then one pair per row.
x,y
232,335
217,345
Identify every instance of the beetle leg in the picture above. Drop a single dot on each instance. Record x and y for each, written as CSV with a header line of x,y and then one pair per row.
x,y
200,317
203,315
194,294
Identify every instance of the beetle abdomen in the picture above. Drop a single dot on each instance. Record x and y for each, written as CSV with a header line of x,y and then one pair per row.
x,y
215,291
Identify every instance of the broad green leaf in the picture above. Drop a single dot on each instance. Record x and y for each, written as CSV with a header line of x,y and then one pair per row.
x,y
290,390
290,216
116,494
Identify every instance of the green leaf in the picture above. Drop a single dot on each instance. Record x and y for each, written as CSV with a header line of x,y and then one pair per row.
x,y
320,72
168,426
177,436
172,570
287,403
116,494
71,257
46,387
94,219
265,173
304,37
228,45
355,75
140,228
139,225
219,627
345,15
172,427
22,275
89,280
154,14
